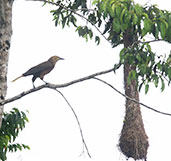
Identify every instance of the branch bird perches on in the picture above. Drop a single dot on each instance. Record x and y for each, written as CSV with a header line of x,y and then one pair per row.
x,y
92,76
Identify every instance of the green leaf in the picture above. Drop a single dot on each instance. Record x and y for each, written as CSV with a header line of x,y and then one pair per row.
x,y
163,30
156,32
140,86
169,73
107,27
134,74
138,56
73,20
90,33
169,60
129,80
116,66
116,25
146,88
127,17
164,22
25,146
122,55
97,40
135,19
105,5
138,9
118,10
110,10
148,47
145,15
95,2
156,80
162,84
147,25
92,18
144,32
122,15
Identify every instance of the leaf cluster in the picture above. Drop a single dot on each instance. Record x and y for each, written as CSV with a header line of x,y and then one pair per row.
x,y
121,15
66,12
12,123
150,68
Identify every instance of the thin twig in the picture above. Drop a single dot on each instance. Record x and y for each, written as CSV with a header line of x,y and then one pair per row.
x,y
81,132
156,40
131,99
147,2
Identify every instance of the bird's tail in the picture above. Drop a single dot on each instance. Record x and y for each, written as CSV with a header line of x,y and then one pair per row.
x,y
17,78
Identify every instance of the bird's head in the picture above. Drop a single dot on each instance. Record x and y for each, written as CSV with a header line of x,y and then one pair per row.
x,y
54,59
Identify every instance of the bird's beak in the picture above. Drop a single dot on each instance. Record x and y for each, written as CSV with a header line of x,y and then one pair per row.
x,y
61,58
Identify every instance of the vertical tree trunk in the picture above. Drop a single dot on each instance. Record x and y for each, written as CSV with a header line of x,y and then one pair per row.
x,y
5,37
133,140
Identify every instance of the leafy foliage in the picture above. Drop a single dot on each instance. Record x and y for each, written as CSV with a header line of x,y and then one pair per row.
x,y
12,123
149,66
128,23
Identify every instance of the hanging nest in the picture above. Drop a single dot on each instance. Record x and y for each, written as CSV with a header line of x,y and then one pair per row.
x,y
133,140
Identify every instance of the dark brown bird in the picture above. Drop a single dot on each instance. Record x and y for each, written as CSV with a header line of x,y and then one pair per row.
x,y
40,70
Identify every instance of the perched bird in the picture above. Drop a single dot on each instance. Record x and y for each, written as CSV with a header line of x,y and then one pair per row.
x,y
41,70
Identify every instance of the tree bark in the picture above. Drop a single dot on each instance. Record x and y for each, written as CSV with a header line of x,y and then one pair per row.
x,y
5,39
133,140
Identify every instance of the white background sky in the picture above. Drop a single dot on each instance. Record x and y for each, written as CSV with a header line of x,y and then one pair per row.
x,y
52,131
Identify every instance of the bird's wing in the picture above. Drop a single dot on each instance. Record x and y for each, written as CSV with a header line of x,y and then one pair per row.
x,y
45,66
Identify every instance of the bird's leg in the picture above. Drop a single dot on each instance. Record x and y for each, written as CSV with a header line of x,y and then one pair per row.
x,y
44,81
33,85
33,79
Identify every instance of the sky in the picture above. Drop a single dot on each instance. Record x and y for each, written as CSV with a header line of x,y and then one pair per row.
x,y
52,132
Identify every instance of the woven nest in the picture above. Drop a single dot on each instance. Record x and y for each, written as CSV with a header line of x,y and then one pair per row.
x,y
133,140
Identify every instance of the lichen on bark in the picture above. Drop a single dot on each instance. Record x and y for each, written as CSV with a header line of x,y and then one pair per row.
x,y
5,39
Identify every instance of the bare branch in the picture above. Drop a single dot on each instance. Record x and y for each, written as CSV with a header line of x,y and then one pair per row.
x,y
81,132
53,86
164,113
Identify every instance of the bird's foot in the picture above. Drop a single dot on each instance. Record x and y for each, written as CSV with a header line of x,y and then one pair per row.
x,y
45,82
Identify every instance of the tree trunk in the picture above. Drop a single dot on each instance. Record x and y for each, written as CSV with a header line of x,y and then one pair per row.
x,y
5,39
133,140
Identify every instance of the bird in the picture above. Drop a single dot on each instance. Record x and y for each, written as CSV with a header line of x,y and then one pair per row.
x,y
40,70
